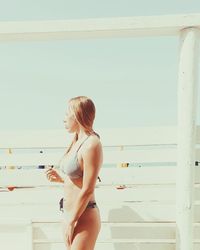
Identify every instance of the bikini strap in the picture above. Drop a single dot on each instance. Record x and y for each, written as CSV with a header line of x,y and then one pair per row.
x,y
82,144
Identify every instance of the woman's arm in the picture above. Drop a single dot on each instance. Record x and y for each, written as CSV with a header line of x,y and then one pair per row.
x,y
92,160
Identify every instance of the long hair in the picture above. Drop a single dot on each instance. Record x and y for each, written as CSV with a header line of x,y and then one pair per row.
x,y
84,111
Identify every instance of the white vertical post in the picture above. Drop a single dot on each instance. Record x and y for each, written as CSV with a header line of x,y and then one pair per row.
x,y
187,90
30,236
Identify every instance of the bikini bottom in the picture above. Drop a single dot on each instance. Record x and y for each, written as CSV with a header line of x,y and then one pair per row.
x,y
91,204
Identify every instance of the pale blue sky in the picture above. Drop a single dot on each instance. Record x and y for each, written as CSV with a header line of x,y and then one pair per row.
x,y
133,82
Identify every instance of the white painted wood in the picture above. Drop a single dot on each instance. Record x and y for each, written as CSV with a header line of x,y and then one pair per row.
x,y
15,221
110,157
113,246
16,233
116,212
121,241
134,176
197,134
139,193
137,136
44,231
149,196
28,139
109,137
29,237
117,241
117,246
155,155
161,212
97,28
30,159
186,136
109,231
131,211
141,156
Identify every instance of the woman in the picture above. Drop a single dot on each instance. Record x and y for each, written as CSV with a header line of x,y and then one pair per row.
x,y
80,164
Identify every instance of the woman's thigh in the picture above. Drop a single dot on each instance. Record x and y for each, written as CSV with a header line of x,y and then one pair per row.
x,y
86,230
65,222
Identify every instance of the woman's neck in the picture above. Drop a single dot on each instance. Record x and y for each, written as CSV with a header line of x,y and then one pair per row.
x,y
82,134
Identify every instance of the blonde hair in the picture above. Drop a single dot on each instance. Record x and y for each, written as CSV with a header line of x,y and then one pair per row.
x,y
84,111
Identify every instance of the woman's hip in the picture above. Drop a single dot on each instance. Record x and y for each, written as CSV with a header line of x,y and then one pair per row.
x,y
91,213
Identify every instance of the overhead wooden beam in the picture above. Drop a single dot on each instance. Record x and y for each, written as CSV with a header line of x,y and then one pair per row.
x,y
97,28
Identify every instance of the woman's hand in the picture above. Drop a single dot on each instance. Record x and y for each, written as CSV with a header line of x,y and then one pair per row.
x,y
53,176
69,233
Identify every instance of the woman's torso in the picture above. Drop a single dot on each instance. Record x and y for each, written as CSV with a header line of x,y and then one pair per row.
x,y
72,167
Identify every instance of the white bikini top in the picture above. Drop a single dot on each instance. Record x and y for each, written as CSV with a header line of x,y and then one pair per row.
x,y
69,164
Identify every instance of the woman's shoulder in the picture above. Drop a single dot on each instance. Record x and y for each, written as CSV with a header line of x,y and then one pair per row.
x,y
93,142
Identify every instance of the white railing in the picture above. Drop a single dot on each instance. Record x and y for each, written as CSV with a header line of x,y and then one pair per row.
x,y
185,26
140,216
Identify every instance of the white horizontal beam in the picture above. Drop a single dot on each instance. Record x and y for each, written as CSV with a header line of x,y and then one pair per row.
x,y
115,137
136,136
15,221
97,28
110,176
110,157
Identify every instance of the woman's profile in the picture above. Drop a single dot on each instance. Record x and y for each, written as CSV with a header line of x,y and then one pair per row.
x,y
80,165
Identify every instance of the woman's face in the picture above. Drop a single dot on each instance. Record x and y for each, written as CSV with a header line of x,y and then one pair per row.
x,y
70,121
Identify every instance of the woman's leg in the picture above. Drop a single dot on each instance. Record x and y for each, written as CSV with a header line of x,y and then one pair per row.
x,y
64,226
86,230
